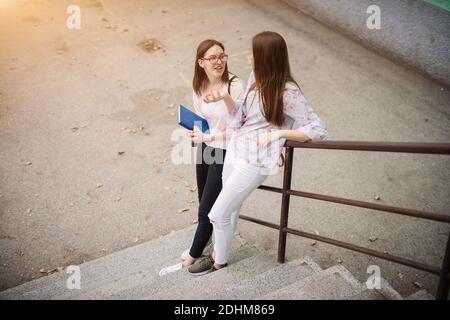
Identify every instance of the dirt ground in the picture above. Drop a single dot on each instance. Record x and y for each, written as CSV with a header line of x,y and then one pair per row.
x,y
87,119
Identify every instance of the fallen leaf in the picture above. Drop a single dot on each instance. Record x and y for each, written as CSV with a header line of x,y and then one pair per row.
x,y
377,197
401,275
313,243
50,272
418,284
43,270
194,221
74,129
183,210
120,153
317,232
29,210
372,238
125,30
99,185
339,260
27,163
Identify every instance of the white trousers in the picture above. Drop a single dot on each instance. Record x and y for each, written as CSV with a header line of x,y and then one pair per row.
x,y
239,180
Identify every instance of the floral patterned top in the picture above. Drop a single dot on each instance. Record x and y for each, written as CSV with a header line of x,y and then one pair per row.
x,y
247,125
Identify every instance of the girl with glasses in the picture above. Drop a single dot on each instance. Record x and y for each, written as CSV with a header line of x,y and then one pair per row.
x,y
210,74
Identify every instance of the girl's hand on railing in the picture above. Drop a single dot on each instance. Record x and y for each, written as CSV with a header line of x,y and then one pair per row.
x,y
267,138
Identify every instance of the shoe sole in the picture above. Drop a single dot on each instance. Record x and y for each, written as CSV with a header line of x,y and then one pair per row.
x,y
200,273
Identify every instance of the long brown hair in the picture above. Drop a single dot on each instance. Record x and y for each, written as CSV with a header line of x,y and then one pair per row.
x,y
272,71
199,74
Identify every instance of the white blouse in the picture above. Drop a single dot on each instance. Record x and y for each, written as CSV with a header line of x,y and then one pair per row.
x,y
216,113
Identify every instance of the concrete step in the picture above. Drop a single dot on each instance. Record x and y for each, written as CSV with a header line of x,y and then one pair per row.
x,y
368,294
334,283
420,295
204,287
266,282
385,292
108,268
148,282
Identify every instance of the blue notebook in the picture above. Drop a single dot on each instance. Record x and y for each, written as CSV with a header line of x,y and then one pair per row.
x,y
189,119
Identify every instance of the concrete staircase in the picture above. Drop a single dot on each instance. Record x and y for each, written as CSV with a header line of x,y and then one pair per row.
x,y
253,273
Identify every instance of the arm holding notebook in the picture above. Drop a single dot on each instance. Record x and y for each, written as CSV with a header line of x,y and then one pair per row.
x,y
197,136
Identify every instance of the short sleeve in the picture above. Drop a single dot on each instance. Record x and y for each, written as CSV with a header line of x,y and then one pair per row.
x,y
296,107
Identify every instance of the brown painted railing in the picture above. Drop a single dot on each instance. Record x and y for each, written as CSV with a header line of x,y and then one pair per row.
x,y
286,192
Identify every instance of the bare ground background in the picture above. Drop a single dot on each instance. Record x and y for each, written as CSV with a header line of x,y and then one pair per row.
x,y
70,100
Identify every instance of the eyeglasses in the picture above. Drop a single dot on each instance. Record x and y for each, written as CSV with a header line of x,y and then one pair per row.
x,y
214,59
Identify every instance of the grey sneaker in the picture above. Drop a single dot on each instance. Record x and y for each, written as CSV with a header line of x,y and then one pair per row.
x,y
203,266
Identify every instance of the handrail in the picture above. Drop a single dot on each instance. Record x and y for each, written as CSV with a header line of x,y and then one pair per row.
x,y
286,192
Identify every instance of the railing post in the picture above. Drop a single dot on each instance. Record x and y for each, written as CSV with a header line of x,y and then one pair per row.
x,y
285,203
442,291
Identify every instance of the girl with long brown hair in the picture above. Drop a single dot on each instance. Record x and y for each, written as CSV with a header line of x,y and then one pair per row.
x,y
260,124
210,74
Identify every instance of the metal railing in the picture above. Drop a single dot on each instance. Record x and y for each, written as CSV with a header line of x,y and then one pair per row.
x,y
286,192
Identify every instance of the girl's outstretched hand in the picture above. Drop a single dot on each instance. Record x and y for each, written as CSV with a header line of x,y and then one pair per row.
x,y
215,95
